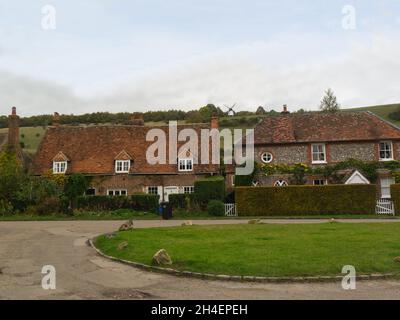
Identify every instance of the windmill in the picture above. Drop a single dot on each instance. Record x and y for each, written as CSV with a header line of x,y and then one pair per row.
x,y
231,112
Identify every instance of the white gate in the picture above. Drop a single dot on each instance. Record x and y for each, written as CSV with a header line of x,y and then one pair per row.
x,y
230,209
384,206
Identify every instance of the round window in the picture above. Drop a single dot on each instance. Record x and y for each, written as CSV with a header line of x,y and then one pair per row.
x,y
281,183
267,157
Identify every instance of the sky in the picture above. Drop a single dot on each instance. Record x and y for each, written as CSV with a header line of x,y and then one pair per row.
x,y
119,55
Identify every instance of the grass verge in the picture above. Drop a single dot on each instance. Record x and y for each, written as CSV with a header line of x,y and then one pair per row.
x,y
266,250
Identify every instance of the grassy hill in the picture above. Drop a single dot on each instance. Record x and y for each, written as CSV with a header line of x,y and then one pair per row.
x,y
382,111
30,136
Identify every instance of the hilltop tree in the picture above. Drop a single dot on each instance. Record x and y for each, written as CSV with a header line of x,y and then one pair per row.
x,y
329,102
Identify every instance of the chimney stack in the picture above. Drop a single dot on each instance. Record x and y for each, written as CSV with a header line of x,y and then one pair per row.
x,y
56,119
13,129
285,110
214,122
137,119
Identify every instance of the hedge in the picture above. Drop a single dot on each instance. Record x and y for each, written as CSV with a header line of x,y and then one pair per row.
x,y
395,195
306,200
181,200
145,202
140,202
212,188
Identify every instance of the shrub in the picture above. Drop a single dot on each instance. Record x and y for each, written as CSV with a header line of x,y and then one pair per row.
x,y
306,200
212,188
5,208
395,195
145,202
216,208
103,203
48,206
140,202
178,201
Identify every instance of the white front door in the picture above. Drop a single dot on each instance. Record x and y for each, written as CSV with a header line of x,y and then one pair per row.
x,y
168,191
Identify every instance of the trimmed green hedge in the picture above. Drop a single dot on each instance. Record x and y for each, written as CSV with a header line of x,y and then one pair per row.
x,y
306,200
140,202
212,188
145,202
181,200
216,208
395,195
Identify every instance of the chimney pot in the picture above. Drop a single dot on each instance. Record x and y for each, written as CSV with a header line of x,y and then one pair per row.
x,y
137,119
56,119
214,122
285,110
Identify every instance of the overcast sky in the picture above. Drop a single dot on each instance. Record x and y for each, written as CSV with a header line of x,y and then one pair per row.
x,y
115,55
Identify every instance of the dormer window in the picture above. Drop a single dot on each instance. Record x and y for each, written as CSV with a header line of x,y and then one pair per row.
x,y
60,167
60,163
123,162
122,166
385,151
185,164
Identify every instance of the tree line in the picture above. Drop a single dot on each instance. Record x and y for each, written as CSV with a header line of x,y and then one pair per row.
x,y
328,104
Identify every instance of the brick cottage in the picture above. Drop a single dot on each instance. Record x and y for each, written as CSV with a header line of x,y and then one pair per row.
x,y
319,139
114,156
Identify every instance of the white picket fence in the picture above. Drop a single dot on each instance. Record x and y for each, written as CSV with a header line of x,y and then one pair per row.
x,y
384,207
230,210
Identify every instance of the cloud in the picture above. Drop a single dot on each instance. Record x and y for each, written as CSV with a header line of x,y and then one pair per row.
x,y
364,74
32,96
293,71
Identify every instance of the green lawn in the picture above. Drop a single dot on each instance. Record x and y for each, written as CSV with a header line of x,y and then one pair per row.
x,y
266,250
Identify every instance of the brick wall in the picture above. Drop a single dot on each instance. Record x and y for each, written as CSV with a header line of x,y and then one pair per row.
x,y
139,183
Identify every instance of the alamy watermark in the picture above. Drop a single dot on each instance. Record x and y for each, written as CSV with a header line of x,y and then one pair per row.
x,y
238,150
49,21
49,278
349,280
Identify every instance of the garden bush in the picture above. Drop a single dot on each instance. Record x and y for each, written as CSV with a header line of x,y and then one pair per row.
x,y
395,195
178,201
47,207
103,203
306,200
183,201
216,208
139,202
145,202
212,188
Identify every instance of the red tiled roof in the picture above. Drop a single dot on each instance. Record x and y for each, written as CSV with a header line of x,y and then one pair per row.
x,y
93,149
323,127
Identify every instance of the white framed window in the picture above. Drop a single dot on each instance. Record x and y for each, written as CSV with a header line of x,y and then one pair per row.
x,y
280,183
385,150
267,157
188,189
152,190
60,167
185,164
117,192
320,182
385,187
318,153
122,166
